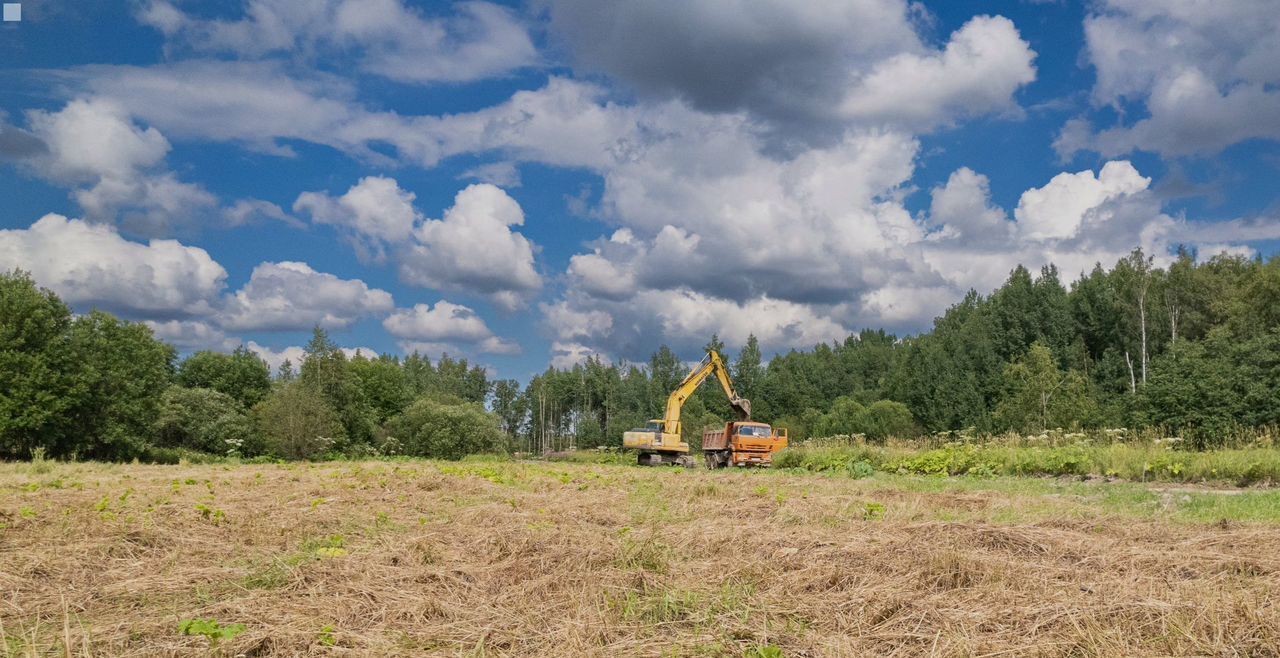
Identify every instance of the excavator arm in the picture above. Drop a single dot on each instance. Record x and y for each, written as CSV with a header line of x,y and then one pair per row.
x,y
711,363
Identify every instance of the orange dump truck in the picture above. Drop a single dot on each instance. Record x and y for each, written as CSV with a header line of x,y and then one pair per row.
x,y
742,443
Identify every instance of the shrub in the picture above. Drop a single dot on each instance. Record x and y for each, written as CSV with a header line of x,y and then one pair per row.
x,y
296,422
205,420
886,418
847,416
434,428
880,421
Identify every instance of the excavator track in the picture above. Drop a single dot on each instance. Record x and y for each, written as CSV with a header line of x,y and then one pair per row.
x,y
661,459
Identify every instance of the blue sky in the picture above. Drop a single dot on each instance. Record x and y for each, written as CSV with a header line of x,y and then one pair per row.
x,y
525,183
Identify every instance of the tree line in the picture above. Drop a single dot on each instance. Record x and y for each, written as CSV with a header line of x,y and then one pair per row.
x,y
1192,348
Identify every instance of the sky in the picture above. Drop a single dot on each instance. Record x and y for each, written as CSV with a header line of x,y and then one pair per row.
x,y
524,184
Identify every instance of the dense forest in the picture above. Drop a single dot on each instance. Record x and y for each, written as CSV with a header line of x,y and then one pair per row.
x,y
1192,348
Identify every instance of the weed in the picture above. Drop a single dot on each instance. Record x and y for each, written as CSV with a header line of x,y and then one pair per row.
x,y
39,464
330,546
213,631
763,651
326,637
214,516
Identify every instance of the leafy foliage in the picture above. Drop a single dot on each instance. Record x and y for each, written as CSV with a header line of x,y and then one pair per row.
x,y
211,629
205,420
297,423
447,429
242,375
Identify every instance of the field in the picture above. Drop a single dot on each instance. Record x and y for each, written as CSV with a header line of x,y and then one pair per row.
x,y
496,558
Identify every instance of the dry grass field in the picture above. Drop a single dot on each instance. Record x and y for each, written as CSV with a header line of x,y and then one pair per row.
x,y
498,558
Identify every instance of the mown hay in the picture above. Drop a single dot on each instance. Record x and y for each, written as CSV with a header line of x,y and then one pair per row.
x,y
420,558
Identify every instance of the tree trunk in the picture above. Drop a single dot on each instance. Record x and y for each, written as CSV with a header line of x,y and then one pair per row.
x,y
1133,384
1142,315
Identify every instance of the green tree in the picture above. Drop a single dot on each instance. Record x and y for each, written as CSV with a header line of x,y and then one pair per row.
x,y
285,373
1184,298
124,371
1133,278
665,373
1209,390
242,374
40,383
748,373
510,405
296,422
1038,395
1257,307
383,384
325,370
950,378
435,428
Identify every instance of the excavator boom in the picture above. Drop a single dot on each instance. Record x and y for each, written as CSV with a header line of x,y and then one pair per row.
x,y
711,363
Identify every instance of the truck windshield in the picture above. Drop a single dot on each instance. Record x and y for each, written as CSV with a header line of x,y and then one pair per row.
x,y
752,430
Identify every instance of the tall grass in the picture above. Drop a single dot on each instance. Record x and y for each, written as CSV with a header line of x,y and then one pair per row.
x,y
1108,453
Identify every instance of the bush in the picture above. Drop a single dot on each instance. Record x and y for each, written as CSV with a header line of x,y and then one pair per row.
x,y
296,422
205,420
433,428
886,418
880,421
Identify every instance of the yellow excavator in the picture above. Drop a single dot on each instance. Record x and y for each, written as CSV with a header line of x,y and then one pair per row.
x,y
741,443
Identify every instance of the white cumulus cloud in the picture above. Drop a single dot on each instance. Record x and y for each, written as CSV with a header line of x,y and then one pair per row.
x,y
1058,209
92,265
1206,74
983,64
474,249
115,166
375,212
433,329
292,295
